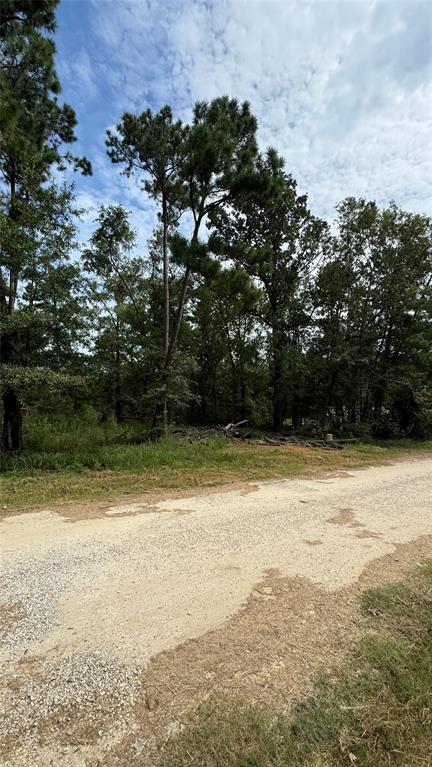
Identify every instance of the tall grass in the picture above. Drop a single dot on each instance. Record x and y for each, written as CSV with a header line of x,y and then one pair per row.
x,y
76,432
77,457
168,453
78,443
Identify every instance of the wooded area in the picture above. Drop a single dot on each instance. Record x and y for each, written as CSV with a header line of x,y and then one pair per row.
x,y
245,304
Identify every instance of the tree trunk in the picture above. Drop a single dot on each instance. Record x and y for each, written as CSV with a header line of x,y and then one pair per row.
x,y
278,404
164,403
296,410
118,393
243,412
182,301
233,366
161,407
166,314
278,399
118,387
215,398
11,438
179,318
12,422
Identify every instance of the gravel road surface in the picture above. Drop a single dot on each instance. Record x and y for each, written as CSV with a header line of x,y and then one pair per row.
x,y
87,600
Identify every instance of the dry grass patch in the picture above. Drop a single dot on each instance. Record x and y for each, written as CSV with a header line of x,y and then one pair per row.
x,y
376,712
127,472
262,660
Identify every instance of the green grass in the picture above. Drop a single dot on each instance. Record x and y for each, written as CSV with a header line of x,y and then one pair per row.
x,y
377,712
71,459
72,434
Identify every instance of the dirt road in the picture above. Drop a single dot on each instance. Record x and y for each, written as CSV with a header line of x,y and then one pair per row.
x,y
89,598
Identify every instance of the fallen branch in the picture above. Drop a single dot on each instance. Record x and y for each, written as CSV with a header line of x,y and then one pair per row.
x,y
231,430
299,442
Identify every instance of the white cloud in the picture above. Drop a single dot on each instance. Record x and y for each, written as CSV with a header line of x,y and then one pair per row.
x,y
82,77
342,89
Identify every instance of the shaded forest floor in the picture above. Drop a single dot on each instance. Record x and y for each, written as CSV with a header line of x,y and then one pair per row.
x,y
72,463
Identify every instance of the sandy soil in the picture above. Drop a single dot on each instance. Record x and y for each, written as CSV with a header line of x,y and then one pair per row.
x,y
90,601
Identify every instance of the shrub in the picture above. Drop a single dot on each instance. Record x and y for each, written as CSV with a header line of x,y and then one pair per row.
x,y
359,429
385,427
422,427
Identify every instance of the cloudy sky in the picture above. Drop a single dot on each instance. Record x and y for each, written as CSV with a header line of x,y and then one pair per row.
x,y
342,89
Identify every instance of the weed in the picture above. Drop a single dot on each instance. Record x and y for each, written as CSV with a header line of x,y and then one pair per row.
x,y
80,459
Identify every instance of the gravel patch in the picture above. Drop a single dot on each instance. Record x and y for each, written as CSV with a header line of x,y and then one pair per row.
x,y
37,585
89,602
76,695
79,697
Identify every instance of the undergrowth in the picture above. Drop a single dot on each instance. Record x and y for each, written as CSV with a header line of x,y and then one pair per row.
x,y
377,712
75,458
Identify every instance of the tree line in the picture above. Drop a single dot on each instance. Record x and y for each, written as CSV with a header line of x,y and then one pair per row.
x,y
244,304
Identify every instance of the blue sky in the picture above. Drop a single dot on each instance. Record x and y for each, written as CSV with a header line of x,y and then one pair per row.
x,y
342,89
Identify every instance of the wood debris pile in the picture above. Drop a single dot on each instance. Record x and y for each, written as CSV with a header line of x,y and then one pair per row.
x,y
300,442
233,431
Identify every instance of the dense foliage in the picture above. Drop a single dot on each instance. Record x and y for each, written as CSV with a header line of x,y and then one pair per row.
x,y
245,304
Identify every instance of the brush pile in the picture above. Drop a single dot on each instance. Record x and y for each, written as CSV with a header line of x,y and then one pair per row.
x,y
233,431
300,442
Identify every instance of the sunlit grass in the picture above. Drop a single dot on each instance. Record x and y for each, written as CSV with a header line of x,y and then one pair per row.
x,y
117,471
77,458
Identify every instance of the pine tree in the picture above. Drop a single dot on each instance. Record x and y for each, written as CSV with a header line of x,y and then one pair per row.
x,y
34,128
